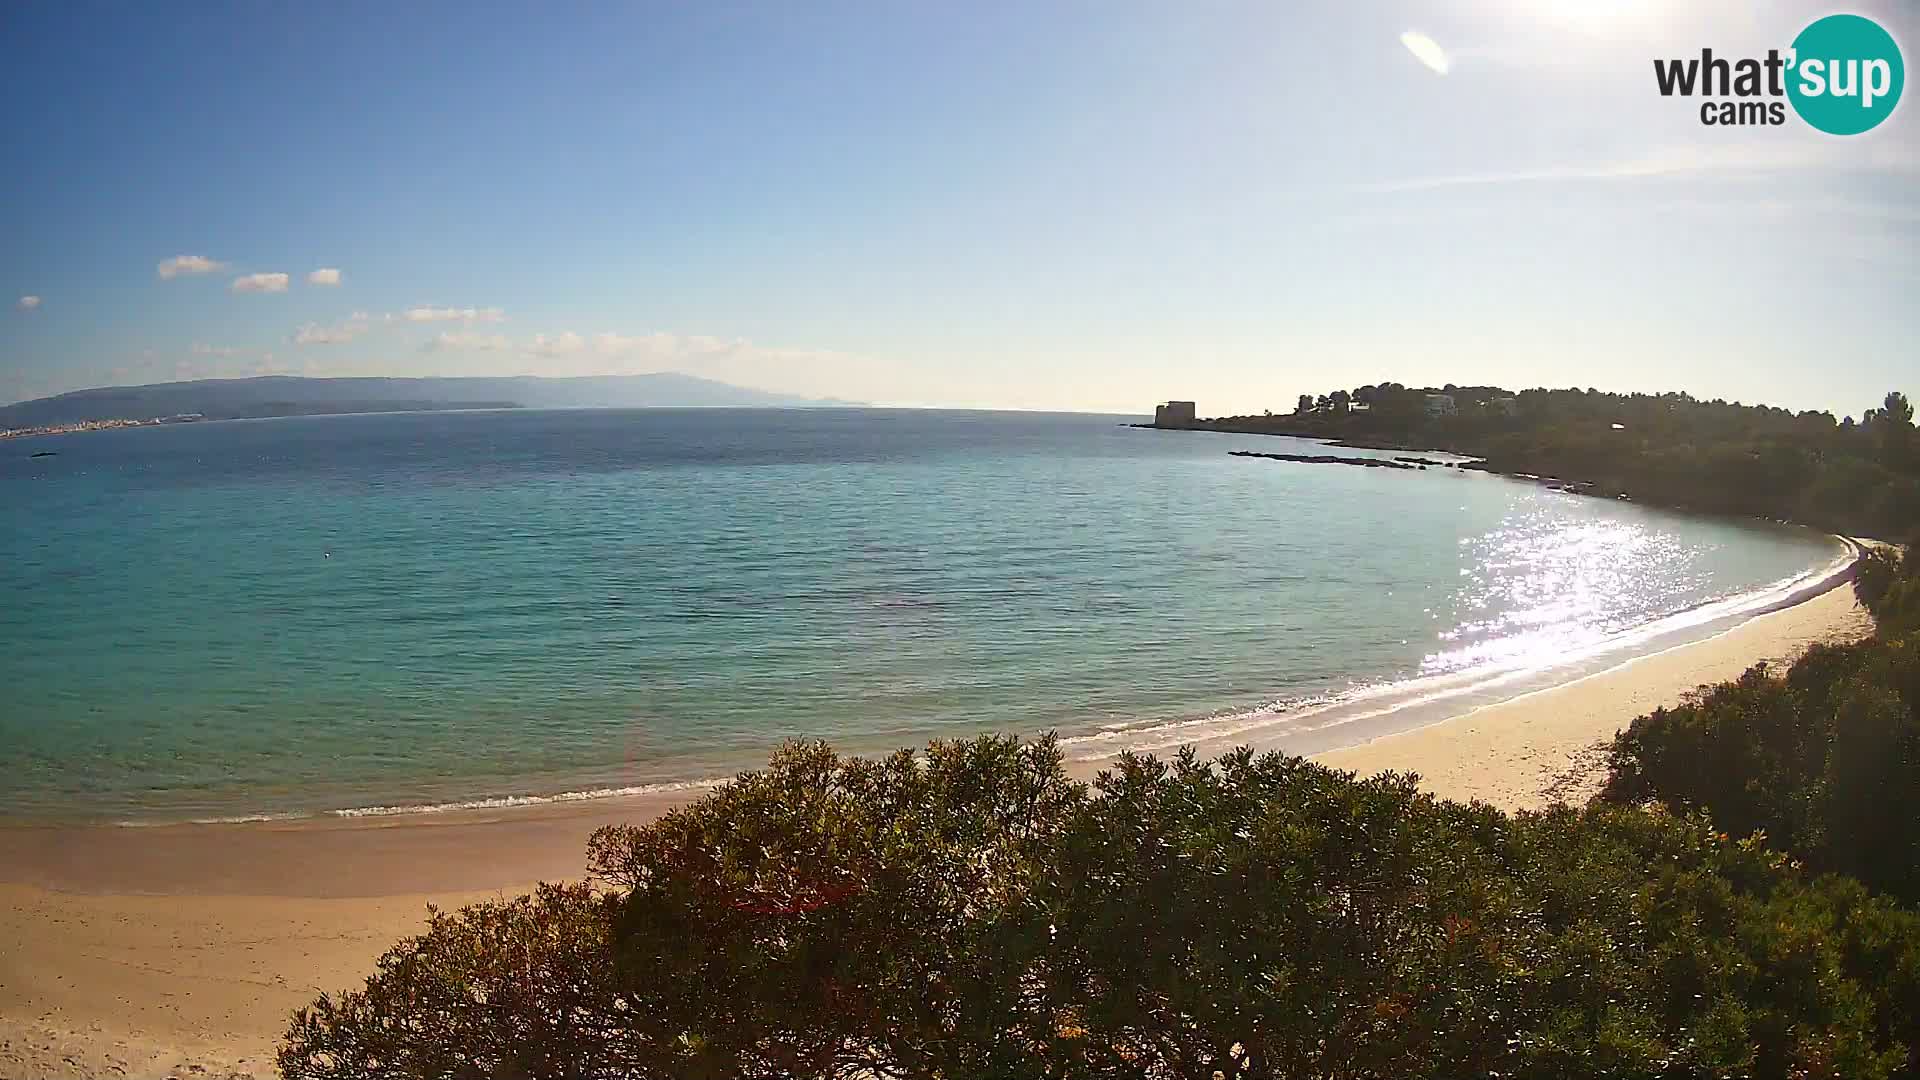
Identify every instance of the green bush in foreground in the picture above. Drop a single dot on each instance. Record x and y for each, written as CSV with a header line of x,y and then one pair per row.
x,y
971,912
1823,758
1888,584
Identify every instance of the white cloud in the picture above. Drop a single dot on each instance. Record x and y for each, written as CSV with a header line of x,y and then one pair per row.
x,y
468,339
338,334
661,345
1426,50
27,303
558,345
735,360
326,275
472,315
622,345
188,264
261,283
201,348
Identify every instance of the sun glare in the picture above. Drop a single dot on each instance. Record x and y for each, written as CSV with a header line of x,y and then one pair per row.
x,y
1426,50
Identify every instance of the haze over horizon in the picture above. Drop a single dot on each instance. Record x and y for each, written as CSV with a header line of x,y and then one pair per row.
x,y
1083,207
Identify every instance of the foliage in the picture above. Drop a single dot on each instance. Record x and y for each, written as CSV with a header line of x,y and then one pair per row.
x,y
500,990
1824,760
973,912
1888,584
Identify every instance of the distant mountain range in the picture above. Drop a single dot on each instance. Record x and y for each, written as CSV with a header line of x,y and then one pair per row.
x,y
283,395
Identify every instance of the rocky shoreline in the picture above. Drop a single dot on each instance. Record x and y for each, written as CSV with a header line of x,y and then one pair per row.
x,y
1330,459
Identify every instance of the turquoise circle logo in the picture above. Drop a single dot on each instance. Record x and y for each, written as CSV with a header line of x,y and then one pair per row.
x,y
1847,74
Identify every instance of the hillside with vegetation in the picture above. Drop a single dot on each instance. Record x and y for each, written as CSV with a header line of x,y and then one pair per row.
x,y
1852,476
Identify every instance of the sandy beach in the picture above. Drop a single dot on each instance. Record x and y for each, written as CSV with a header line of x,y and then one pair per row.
x,y
181,950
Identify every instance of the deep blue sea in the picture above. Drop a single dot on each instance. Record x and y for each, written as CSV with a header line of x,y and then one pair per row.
x,y
370,613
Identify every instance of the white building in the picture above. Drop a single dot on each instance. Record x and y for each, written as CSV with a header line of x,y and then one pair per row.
x,y
1440,405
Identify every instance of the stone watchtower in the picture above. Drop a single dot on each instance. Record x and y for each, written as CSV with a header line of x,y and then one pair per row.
x,y
1174,414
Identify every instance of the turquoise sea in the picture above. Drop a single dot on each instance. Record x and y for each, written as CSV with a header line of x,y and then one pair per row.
x,y
385,613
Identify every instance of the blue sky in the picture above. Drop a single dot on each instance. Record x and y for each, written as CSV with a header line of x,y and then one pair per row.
x,y
1065,205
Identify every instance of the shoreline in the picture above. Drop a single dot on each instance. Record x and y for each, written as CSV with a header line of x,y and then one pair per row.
x,y
1549,745
1475,461
148,951
1309,726
461,847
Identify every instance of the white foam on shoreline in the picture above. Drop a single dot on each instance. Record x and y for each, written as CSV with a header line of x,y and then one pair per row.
x,y
401,810
504,801
236,819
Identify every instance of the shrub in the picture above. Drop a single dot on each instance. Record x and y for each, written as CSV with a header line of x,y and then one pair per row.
x,y
1825,760
507,989
972,912
1888,584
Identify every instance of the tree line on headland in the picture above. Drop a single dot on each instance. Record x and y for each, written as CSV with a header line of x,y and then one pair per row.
x,y
1860,477
1742,899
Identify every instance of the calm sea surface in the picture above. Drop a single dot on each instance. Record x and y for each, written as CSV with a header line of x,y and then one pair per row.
x,y
379,612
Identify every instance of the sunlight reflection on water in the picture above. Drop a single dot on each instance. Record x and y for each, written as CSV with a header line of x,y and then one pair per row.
x,y
1553,583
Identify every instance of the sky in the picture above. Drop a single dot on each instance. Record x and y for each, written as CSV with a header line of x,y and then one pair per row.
x,y
1078,206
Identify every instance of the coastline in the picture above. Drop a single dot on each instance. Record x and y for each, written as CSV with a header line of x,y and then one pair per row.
x,y
1549,745
148,951
1308,723
1471,459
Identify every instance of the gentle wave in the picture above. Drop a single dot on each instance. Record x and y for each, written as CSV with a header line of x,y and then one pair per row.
x,y
234,819
1318,714
491,803
504,801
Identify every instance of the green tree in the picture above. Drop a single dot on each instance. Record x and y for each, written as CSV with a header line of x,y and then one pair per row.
x,y
1894,425
1897,411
